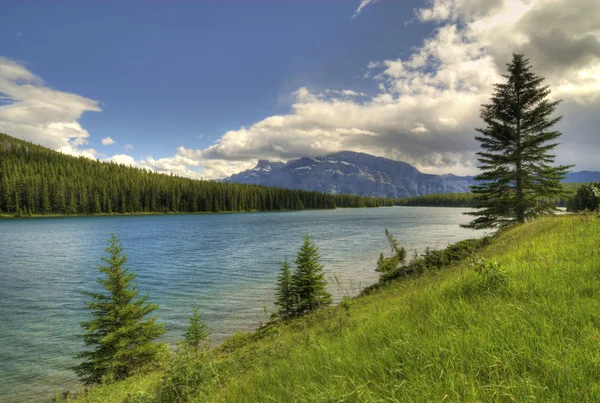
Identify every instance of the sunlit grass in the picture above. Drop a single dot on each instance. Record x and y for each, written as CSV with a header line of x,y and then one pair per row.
x,y
439,337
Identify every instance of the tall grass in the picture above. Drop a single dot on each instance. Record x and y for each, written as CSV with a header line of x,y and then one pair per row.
x,y
451,335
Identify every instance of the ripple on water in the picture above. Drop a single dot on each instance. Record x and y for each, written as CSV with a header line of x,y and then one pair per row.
x,y
224,264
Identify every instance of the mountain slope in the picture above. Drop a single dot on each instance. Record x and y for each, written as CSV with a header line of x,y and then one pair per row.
x,y
352,173
363,174
583,177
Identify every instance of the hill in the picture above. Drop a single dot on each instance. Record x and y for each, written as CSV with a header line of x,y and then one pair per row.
x,y
36,180
583,177
363,174
515,321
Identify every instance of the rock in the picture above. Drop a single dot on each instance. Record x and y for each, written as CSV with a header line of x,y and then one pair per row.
x,y
352,173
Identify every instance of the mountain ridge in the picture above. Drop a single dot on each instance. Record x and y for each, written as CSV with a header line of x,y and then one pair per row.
x,y
349,172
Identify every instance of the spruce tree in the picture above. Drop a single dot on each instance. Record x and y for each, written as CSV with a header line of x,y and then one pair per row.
x,y
120,338
285,296
308,280
197,333
518,180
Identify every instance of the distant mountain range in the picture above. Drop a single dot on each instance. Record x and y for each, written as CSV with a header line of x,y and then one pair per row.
x,y
583,176
362,174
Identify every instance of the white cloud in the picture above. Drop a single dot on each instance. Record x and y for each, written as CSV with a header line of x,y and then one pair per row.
x,y
428,104
35,112
123,159
425,107
128,147
107,141
361,6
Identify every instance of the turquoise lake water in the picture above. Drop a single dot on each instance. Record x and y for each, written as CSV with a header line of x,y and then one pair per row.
x,y
225,264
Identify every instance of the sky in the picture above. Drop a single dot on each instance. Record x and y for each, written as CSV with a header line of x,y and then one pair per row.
x,y
204,89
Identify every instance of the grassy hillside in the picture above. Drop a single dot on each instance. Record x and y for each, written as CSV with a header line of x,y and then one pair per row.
x,y
525,329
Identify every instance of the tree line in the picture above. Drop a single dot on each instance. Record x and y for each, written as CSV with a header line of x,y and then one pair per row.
x,y
467,199
36,180
438,200
586,198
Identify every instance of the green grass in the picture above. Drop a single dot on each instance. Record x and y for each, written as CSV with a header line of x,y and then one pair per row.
x,y
447,335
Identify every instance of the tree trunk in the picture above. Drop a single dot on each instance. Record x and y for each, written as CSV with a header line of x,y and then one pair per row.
x,y
520,211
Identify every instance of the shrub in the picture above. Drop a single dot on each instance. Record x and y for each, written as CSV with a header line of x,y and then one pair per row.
x,y
490,275
187,371
430,260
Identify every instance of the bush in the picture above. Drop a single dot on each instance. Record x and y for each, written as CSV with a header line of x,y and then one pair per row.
x,y
490,275
489,280
430,260
187,371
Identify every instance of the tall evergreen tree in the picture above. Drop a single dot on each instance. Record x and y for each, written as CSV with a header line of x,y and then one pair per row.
x,y
308,280
285,296
120,338
518,180
197,333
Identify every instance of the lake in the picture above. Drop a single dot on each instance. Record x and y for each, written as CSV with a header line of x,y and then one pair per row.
x,y
224,264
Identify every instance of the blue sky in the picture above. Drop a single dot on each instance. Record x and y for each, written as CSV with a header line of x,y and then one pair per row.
x,y
166,73
260,78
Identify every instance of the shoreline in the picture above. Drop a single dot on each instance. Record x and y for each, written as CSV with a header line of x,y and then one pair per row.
x,y
42,216
426,313
256,328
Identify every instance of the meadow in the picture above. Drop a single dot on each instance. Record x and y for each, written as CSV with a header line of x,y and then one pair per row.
x,y
517,320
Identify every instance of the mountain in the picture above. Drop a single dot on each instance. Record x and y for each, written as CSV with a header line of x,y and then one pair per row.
x,y
352,173
362,174
583,176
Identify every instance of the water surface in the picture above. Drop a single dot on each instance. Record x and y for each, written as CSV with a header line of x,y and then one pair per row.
x,y
224,264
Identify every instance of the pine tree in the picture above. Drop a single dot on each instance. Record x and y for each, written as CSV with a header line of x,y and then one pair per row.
x,y
121,339
308,280
392,241
285,296
197,333
518,180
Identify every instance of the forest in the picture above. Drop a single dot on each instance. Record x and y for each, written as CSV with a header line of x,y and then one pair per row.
x,y
438,200
468,199
35,180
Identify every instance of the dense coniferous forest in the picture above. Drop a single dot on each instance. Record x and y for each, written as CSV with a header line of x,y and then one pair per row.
x,y
442,199
36,180
468,199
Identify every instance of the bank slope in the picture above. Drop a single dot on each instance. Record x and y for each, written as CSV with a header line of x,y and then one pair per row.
x,y
450,335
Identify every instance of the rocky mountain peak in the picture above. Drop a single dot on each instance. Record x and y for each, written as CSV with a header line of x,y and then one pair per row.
x,y
351,173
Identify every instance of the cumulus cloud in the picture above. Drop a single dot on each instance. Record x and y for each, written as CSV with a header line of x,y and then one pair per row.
x,y
423,108
35,112
426,106
361,6
124,160
107,141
